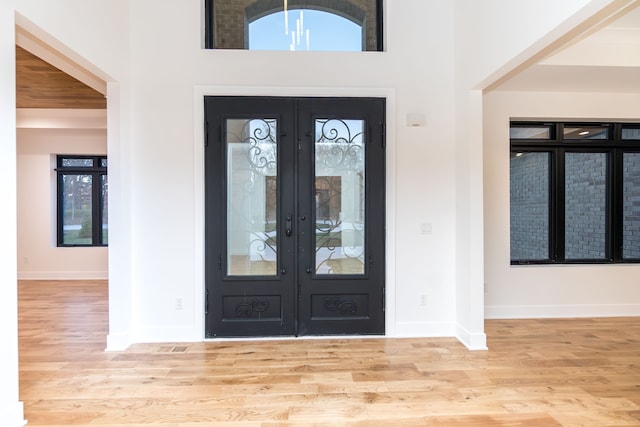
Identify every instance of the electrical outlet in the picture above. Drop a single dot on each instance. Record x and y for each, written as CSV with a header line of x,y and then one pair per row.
x,y
423,300
426,228
179,303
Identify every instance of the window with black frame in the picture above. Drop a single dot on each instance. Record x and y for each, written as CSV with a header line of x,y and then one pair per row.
x,y
574,193
316,25
82,192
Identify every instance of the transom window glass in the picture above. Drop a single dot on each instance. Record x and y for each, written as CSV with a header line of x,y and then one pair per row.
x,y
530,132
320,25
631,132
575,193
585,132
305,30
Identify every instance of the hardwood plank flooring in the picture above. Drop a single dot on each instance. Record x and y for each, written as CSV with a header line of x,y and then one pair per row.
x,y
537,373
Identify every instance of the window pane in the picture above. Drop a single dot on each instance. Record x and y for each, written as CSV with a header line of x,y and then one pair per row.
x,y
529,206
586,132
77,163
305,29
585,205
295,25
631,197
530,132
76,209
252,167
631,133
104,194
103,163
339,196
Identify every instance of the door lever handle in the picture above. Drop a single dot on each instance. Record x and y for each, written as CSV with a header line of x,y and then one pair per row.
x,y
288,229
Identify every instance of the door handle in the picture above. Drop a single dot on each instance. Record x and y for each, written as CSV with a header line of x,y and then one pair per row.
x,y
309,270
288,230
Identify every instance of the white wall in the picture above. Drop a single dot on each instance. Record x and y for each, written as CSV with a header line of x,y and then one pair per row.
x,y
95,35
544,290
495,36
419,38
492,39
11,411
38,255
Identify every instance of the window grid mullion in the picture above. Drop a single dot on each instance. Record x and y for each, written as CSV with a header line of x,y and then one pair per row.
x,y
617,201
559,206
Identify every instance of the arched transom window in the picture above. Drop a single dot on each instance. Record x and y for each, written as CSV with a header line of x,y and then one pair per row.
x,y
321,25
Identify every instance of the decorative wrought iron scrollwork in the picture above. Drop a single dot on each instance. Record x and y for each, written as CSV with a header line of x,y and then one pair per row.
x,y
337,304
261,135
254,308
337,146
254,163
339,157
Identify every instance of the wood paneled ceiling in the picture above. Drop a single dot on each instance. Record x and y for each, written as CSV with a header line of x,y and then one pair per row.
x,y
41,85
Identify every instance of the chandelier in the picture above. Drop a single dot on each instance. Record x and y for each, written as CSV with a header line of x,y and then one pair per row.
x,y
299,34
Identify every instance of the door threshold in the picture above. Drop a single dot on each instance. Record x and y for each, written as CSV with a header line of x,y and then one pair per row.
x,y
294,338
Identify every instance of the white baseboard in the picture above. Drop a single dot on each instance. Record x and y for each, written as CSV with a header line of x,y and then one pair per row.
x,y
165,334
424,329
63,275
118,342
471,340
561,311
13,416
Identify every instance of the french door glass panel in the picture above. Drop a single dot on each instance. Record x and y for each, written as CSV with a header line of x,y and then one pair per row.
x,y
252,167
339,196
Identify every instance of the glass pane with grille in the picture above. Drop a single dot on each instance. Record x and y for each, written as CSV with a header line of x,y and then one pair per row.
x,y
585,205
252,167
529,191
631,206
339,196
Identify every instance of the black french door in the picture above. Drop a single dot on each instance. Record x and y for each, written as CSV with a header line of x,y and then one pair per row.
x,y
295,216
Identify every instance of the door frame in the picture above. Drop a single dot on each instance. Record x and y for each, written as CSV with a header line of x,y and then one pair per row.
x,y
200,92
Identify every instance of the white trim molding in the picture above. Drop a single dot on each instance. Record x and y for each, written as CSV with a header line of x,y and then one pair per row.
x,y
198,167
13,416
561,311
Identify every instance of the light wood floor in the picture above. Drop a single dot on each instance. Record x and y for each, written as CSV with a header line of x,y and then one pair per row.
x,y
538,373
